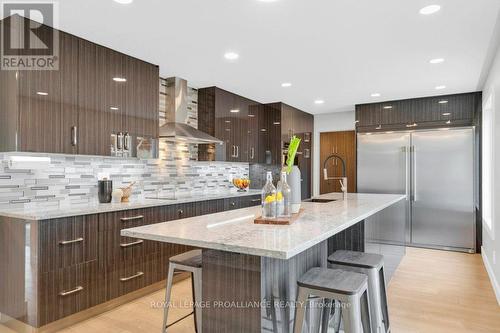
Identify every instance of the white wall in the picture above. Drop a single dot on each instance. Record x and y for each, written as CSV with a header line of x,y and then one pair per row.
x,y
491,239
329,122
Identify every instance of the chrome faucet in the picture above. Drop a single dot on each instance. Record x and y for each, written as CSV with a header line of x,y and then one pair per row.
x,y
342,180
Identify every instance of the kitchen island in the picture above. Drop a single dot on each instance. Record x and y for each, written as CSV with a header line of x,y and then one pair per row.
x,y
250,270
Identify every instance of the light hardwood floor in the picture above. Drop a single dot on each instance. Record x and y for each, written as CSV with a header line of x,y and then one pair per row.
x,y
432,291
440,291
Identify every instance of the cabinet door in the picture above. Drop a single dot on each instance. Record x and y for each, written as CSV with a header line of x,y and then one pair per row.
x,y
240,128
47,102
270,135
224,127
68,66
100,98
253,133
141,99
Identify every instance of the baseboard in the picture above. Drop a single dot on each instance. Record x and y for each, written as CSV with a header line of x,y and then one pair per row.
x,y
491,274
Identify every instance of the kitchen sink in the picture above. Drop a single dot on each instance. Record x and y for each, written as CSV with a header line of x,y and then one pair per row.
x,y
320,200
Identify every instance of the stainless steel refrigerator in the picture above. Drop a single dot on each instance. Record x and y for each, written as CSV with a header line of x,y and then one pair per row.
x,y
435,169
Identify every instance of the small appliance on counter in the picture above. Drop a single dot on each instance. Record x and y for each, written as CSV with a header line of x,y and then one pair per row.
x,y
105,189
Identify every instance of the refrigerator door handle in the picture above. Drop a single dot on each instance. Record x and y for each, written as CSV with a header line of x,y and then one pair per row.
x,y
406,150
414,173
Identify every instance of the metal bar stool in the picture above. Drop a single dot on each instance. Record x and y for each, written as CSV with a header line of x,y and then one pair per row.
x,y
187,262
373,266
347,287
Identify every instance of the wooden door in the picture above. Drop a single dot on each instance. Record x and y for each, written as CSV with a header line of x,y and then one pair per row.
x,y
344,145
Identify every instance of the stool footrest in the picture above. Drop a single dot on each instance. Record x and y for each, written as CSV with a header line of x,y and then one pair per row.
x,y
180,319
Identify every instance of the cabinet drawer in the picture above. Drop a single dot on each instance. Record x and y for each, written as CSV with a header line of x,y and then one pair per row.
x,y
67,241
254,200
232,203
113,247
69,290
125,276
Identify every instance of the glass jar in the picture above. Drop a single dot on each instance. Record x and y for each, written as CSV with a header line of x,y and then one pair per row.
x,y
269,197
283,197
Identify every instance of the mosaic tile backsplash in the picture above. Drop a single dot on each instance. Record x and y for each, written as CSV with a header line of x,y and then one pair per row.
x,y
71,179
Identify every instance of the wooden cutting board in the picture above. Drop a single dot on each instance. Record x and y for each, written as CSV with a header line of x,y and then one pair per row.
x,y
279,220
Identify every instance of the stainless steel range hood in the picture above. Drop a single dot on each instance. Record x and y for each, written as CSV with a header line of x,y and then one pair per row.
x,y
176,129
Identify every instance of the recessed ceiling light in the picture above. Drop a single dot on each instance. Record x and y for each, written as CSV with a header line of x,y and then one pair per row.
x,y
114,108
436,60
375,95
440,87
234,110
41,93
427,10
319,101
388,107
231,55
119,79
443,102
286,84
267,0
124,2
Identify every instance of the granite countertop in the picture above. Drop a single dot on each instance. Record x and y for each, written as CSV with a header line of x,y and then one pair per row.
x,y
234,231
96,208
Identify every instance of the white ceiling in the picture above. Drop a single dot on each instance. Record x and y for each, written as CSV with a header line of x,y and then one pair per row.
x,y
340,51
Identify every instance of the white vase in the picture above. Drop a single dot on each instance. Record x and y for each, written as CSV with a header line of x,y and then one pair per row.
x,y
294,183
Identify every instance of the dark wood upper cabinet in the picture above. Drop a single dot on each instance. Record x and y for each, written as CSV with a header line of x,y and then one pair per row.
x,y
428,112
76,108
226,116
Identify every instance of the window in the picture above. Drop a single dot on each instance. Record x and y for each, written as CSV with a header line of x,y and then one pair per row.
x,y
487,164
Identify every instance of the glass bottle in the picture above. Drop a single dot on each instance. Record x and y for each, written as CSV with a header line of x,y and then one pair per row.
x,y
269,197
283,197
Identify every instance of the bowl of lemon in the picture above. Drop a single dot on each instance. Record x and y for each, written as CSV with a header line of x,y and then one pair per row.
x,y
241,184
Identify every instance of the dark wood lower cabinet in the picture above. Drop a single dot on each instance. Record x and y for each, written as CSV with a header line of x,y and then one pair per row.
x,y
83,261
69,290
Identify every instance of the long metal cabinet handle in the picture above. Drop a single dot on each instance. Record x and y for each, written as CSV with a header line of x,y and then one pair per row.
x,y
131,244
252,153
78,240
74,135
71,241
126,219
72,291
135,276
237,151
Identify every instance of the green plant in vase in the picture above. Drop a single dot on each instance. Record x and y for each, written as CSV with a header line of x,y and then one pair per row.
x,y
293,147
